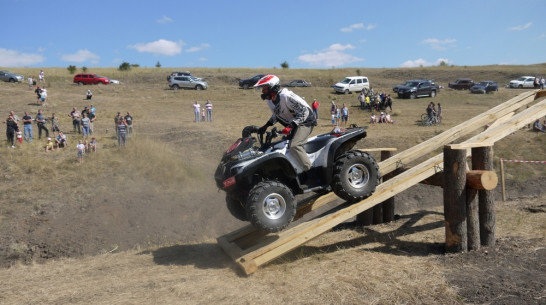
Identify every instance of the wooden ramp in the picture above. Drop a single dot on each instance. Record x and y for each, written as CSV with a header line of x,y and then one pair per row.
x,y
251,249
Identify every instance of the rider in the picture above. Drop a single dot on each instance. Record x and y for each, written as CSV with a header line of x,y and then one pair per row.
x,y
292,112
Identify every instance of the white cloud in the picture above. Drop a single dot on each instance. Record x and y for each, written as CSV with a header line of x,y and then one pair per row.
x,y
12,58
198,48
332,56
358,26
439,45
521,27
161,46
424,63
81,56
164,20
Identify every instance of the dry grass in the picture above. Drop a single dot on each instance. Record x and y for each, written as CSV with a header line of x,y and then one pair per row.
x,y
170,157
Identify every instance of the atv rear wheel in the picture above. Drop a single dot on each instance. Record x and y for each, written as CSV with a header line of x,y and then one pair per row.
x,y
236,208
270,206
356,174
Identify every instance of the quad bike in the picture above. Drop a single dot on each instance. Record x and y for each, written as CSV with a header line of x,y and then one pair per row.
x,y
261,178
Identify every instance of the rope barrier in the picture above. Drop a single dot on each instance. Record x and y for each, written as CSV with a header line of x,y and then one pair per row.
x,y
522,161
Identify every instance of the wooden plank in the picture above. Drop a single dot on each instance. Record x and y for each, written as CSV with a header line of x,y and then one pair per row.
x,y
377,149
456,132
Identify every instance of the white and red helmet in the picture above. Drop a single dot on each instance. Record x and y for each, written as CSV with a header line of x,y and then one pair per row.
x,y
268,80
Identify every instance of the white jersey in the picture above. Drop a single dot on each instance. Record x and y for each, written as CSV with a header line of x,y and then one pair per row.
x,y
291,108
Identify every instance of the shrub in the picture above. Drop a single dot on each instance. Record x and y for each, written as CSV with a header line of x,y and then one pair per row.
x,y
71,69
125,66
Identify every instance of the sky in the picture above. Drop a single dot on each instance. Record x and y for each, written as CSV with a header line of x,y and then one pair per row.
x,y
254,34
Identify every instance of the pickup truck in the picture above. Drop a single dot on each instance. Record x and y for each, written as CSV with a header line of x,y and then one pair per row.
x,y
417,88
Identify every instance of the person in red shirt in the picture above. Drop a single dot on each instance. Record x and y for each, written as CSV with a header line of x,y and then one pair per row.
x,y
315,106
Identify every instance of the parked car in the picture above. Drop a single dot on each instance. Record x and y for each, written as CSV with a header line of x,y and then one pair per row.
x,y
249,82
461,84
352,84
187,82
523,82
417,88
395,88
179,73
90,79
485,87
8,76
298,83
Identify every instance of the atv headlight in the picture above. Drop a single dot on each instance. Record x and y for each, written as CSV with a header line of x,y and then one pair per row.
x,y
246,155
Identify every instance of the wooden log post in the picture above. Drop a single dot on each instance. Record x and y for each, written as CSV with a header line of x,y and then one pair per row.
x,y
482,159
455,199
388,205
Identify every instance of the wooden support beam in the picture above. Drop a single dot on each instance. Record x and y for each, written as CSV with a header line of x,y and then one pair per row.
x,y
455,199
476,179
482,159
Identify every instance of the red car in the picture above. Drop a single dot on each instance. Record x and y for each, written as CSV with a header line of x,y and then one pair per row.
x,y
90,79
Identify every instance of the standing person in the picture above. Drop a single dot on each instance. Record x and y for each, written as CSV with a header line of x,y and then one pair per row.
x,y
203,114
81,150
41,121
362,100
208,105
122,132
30,83
117,118
291,111
11,129
41,76
315,107
338,116
368,103
388,102
541,83
439,113
129,120
85,125
38,92
197,111
92,109
344,115
43,96
76,116
92,119
54,124
27,126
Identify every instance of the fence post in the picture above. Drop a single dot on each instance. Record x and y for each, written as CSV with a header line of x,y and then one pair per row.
x,y
455,199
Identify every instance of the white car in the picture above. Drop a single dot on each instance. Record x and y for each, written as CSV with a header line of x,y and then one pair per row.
x,y
352,84
523,82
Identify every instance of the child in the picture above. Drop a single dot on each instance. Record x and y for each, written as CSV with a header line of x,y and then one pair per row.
x,y
203,114
81,150
93,144
333,119
19,136
49,146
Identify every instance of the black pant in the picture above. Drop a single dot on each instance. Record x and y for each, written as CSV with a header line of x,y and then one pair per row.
x,y
10,134
76,124
40,127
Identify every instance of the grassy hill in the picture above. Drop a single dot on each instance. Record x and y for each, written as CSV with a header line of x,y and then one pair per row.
x,y
137,224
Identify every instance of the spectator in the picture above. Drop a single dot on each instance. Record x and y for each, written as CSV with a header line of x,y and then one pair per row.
x,y
315,107
388,119
81,150
117,118
122,132
85,125
41,76
373,118
368,103
129,121
333,108
338,116
76,117
93,144
344,115
439,113
19,136
388,102
203,114
38,92
43,96
208,105
92,109
89,94
382,118
197,111
538,127
11,129
41,121
60,140
27,124
362,100
541,83
54,124
50,146
30,83
92,119
85,111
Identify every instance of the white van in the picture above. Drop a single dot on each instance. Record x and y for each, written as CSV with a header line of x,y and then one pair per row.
x,y
352,84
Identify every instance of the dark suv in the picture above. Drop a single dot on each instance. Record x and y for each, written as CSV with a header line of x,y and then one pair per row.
x,y
249,82
462,84
417,88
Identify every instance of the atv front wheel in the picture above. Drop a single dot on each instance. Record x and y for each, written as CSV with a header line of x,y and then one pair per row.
x,y
236,208
356,174
270,206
